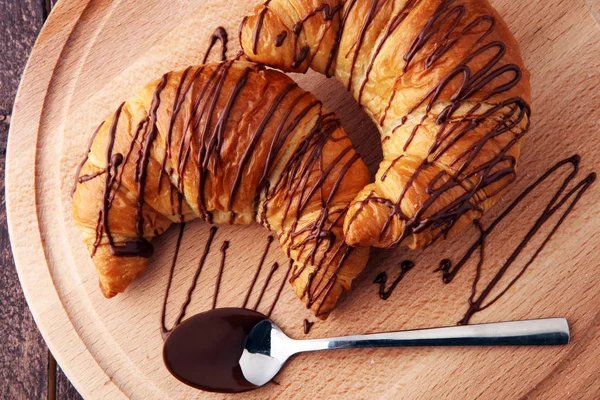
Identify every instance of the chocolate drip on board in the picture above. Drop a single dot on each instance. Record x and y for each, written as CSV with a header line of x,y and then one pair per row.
x,y
207,248
307,325
258,268
190,292
164,331
283,281
224,248
563,198
274,268
382,278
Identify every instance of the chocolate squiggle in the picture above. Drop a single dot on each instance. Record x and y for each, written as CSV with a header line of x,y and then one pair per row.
x,y
382,277
307,325
562,197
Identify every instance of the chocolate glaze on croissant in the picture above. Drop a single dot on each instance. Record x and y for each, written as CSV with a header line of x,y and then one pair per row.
x,y
230,143
444,82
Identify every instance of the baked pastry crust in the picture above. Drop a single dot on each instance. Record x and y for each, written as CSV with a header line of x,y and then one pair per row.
x,y
444,82
230,142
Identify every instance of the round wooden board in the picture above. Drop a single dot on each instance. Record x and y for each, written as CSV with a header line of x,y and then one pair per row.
x,y
93,53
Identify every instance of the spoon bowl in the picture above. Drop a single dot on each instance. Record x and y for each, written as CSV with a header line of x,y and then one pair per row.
x,y
266,350
267,347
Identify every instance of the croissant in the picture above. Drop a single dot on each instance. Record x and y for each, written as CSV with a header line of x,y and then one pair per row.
x,y
445,84
229,142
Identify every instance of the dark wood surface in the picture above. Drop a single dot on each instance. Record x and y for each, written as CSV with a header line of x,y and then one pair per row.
x,y
27,369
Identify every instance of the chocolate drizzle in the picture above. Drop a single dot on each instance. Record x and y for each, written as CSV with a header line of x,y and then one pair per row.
x,y
147,131
563,198
220,34
207,248
307,325
85,158
190,292
466,173
140,247
505,121
283,281
259,24
164,331
382,278
258,268
299,186
394,24
274,268
224,248
301,53
278,41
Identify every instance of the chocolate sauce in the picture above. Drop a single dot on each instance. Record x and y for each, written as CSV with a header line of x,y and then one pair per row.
x,y
220,34
307,325
258,268
142,166
164,331
509,118
382,278
283,281
141,247
204,351
199,145
361,36
89,177
562,197
279,39
259,24
394,24
188,298
85,158
274,268
224,248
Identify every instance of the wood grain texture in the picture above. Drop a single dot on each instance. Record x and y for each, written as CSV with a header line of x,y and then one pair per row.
x,y
92,54
23,354
63,389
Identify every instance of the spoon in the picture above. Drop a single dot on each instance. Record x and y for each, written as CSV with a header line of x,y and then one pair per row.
x,y
235,350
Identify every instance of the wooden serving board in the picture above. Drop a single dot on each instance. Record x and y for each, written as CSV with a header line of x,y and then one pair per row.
x,y
93,53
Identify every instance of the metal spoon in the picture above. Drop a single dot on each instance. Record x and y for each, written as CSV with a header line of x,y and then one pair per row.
x,y
267,348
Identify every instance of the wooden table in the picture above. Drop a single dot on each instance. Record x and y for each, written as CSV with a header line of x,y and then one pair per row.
x,y
27,369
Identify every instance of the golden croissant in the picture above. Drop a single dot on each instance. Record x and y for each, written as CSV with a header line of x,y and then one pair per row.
x,y
230,142
445,84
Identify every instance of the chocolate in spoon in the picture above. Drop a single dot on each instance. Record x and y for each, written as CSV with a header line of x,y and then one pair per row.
x,y
235,350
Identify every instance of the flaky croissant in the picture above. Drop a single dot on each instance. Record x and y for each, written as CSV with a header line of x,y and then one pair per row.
x,y
444,82
230,143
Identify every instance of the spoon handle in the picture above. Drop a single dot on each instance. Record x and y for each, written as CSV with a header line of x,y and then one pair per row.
x,y
537,332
